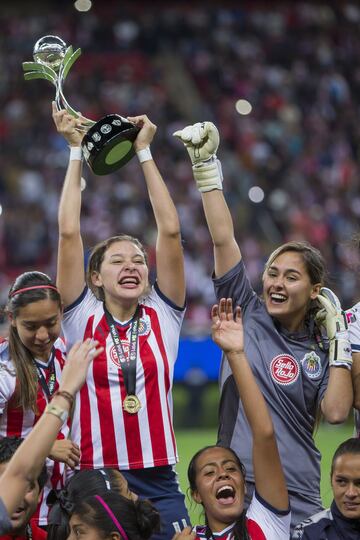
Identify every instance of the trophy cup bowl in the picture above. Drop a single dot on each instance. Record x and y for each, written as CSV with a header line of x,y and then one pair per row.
x,y
108,143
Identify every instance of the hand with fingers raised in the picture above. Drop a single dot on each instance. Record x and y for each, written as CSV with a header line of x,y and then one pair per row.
x,y
202,141
227,328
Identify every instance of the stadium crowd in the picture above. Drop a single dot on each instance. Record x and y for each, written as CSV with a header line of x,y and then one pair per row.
x,y
296,63
291,173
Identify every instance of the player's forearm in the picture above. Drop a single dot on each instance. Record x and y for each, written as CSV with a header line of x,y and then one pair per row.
x,y
70,201
338,398
254,404
165,213
226,250
26,464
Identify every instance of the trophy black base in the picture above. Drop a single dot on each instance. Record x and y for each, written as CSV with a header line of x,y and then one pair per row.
x,y
108,144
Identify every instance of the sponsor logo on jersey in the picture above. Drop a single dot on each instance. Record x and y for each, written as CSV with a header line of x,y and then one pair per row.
x,y
113,353
284,369
350,317
311,365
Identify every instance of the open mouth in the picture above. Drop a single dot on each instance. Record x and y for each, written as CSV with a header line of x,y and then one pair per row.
x,y
225,494
132,281
278,298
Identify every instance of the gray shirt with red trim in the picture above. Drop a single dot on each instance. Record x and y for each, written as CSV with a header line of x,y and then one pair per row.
x,y
292,372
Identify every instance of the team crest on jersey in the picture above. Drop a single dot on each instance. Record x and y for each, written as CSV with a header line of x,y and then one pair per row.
x,y
144,326
113,353
311,365
284,369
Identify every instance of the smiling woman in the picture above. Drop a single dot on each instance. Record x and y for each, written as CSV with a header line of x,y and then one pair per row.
x,y
123,416
217,476
342,519
301,370
31,361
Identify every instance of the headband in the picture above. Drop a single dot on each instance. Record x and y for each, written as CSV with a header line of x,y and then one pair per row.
x,y
113,518
18,291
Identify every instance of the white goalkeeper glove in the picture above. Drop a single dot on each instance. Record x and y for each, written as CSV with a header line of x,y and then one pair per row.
x,y
202,141
333,318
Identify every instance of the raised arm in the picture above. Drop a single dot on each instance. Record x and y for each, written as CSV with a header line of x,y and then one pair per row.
x,y
28,460
201,141
70,267
227,332
169,252
338,397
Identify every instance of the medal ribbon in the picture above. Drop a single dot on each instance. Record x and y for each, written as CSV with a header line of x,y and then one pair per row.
x,y
128,365
48,387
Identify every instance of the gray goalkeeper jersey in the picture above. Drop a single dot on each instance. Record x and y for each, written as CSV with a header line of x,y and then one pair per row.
x,y
292,372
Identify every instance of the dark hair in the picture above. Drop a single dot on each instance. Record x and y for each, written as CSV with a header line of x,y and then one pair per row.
x,y
314,265
313,260
8,447
97,256
350,446
27,380
139,519
239,531
83,484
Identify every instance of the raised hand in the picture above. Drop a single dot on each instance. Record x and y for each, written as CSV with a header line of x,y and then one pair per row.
x,y
71,128
78,361
227,330
201,141
146,133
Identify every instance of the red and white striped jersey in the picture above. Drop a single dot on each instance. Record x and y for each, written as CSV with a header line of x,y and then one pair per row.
x,y
262,523
107,435
15,422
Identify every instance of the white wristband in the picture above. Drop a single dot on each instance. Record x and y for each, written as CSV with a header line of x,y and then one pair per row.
x,y
144,155
76,153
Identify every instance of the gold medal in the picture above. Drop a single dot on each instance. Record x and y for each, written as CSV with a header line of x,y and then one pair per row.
x,y
131,404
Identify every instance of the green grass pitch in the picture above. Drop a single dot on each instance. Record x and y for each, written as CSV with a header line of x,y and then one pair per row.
x,y
189,441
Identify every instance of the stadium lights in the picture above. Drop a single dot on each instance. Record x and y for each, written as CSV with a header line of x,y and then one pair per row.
x,y
243,106
83,5
256,194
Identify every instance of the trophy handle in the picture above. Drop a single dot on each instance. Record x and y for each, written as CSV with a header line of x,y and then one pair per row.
x,y
60,99
69,60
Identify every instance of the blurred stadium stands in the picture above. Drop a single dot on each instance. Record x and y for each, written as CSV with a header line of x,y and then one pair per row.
x,y
297,63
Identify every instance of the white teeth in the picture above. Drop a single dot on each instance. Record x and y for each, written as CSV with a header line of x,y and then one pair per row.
x,y
135,281
277,296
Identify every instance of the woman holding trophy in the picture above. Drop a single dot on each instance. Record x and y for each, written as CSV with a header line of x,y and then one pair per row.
x,y
123,415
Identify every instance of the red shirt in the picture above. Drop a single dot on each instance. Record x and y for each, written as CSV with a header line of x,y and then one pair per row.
x,y
36,534
107,435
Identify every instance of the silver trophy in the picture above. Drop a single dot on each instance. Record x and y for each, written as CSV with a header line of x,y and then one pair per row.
x,y
108,143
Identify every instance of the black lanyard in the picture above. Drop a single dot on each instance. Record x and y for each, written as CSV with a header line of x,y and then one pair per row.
x,y
28,532
48,387
128,364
